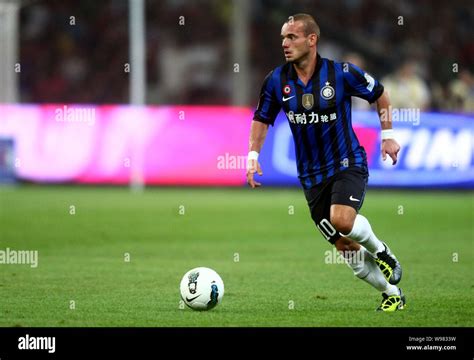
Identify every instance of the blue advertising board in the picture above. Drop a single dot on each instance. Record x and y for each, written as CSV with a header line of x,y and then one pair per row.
x,y
436,151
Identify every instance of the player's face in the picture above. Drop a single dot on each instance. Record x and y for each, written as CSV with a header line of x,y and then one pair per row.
x,y
295,43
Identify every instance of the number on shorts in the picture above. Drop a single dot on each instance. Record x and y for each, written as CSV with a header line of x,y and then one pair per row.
x,y
326,228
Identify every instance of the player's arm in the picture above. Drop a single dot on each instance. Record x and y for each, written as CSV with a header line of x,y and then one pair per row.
x,y
389,144
361,84
264,116
258,133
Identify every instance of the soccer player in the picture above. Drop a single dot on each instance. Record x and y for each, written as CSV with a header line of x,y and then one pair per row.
x,y
315,93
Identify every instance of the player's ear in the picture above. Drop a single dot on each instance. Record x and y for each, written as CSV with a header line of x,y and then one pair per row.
x,y
313,39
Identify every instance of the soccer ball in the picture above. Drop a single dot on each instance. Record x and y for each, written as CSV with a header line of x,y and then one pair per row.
x,y
201,288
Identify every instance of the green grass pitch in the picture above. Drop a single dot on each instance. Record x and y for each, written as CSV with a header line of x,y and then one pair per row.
x,y
262,242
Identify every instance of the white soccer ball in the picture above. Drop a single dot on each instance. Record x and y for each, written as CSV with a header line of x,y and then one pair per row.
x,y
201,288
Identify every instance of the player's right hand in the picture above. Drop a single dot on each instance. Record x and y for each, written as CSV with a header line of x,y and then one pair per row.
x,y
253,167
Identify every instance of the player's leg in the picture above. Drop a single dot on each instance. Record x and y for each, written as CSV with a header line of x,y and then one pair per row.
x,y
348,193
365,268
319,200
319,203
363,265
356,227
356,256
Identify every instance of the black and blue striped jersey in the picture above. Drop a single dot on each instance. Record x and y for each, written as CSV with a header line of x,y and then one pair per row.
x,y
319,115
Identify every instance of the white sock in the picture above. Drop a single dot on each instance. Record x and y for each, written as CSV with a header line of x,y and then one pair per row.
x,y
365,268
362,233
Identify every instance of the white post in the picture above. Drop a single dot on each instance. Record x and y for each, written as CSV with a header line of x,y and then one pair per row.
x,y
10,66
137,84
137,52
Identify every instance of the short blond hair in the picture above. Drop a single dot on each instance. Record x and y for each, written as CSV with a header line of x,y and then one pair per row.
x,y
310,25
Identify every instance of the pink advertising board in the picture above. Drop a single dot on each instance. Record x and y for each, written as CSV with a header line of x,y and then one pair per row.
x,y
113,144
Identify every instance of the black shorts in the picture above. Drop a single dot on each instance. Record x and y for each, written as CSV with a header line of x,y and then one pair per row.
x,y
345,188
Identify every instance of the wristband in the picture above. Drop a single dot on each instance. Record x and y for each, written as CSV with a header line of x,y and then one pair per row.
x,y
387,134
253,155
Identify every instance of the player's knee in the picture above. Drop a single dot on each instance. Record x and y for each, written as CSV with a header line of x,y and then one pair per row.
x,y
342,223
341,245
344,244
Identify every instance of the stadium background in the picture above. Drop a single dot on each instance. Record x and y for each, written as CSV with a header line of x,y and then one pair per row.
x,y
123,163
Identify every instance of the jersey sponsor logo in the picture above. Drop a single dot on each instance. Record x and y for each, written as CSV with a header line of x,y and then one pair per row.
x,y
286,89
308,101
288,98
327,92
310,118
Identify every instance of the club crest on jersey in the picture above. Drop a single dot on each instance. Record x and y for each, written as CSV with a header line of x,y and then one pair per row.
x,y
308,101
327,92
286,89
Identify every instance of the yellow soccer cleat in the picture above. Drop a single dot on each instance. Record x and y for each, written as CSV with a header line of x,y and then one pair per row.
x,y
389,266
391,303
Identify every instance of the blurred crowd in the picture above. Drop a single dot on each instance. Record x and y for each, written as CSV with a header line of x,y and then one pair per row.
x,y
71,51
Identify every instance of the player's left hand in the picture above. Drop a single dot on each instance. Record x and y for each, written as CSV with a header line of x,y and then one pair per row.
x,y
253,166
390,147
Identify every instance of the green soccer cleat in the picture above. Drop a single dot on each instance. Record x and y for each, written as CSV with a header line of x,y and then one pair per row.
x,y
393,302
389,265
